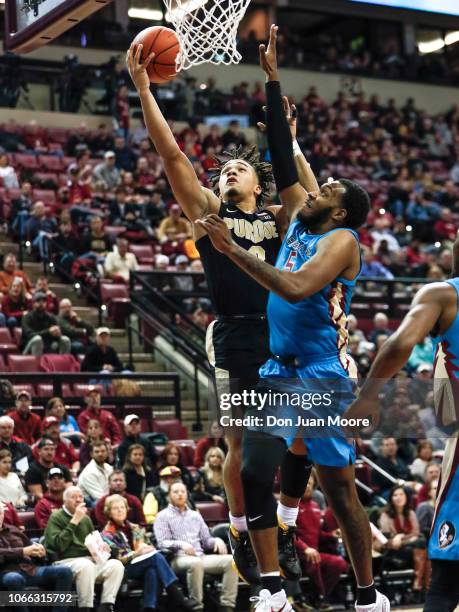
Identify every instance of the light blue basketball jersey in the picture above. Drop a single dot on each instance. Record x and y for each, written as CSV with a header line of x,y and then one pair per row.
x,y
316,326
444,539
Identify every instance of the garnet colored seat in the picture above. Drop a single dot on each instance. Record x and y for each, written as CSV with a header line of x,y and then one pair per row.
x,y
80,389
17,335
6,342
116,297
29,162
46,390
23,363
143,252
212,512
59,363
50,163
173,429
48,196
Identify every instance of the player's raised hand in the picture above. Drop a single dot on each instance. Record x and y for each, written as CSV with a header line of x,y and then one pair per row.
x,y
268,57
137,68
218,231
292,117
360,409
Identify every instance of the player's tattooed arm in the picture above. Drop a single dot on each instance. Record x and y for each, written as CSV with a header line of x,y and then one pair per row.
x,y
192,197
293,287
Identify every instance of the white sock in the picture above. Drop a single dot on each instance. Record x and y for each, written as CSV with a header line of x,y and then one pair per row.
x,y
239,522
269,574
287,515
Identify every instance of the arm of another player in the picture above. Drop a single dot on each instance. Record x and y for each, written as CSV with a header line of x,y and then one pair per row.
x,y
427,307
293,175
192,197
322,269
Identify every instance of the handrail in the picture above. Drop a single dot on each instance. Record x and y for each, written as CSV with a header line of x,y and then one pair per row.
x,y
60,378
380,470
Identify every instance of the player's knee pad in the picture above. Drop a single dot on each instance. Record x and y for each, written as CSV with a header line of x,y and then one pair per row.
x,y
261,456
295,472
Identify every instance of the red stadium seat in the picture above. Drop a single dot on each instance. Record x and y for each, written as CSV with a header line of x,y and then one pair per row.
x,y
59,363
17,335
80,389
29,162
23,363
48,196
212,512
51,163
143,252
24,387
46,176
2,364
57,134
173,429
118,302
6,342
46,390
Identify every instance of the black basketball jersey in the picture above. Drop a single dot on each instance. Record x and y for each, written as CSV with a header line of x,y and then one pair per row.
x,y
232,291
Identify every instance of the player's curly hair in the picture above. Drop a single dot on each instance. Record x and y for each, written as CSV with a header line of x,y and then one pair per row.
x,y
252,157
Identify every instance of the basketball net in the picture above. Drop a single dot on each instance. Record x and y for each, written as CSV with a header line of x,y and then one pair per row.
x,y
207,30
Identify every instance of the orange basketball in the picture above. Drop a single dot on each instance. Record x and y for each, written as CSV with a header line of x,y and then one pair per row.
x,y
164,42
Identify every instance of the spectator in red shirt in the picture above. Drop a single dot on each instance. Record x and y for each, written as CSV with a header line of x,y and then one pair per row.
x,y
53,499
15,304
324,569
215,438
27,425
432,472
445,228
110,426
66,453
79,192
117,484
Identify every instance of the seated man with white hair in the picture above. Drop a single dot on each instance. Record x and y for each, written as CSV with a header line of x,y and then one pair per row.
x,y
64,537
18,449
185,532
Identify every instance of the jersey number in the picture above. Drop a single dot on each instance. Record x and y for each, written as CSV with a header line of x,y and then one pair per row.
x,y
290,261
258,251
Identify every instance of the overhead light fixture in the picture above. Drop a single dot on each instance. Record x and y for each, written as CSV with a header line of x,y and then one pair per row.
x,y
438,43
148,14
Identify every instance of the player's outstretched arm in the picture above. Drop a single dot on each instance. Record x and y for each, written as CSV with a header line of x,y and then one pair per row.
x,y
426,309
293,175
192,197
314,275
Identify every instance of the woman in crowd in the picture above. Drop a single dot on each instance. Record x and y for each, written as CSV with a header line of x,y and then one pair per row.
x,y
399,524
94,435
68,427
127,542
209,482
15,303
139,475
423,457
426,510
171,455
215,438
11,489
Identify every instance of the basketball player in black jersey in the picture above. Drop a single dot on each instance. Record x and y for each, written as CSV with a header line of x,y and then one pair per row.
x,y
237,342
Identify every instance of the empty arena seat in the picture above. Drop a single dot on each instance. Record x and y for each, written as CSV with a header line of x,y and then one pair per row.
x,y
212,512
48,196
28,162
50,163
46,176
59,363
80,389
173,429
7,345
24,387
143,252
27,518
23,363
46,390
17,335
116,297
187,448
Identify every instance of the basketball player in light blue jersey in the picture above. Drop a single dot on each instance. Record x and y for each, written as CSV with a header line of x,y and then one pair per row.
x,y
434,311
310,292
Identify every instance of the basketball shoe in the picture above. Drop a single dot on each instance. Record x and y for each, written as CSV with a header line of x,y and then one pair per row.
x,y
265,602
289,563
382,605
244,560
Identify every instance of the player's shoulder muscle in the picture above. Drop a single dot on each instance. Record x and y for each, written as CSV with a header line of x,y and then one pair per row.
x,y
440,293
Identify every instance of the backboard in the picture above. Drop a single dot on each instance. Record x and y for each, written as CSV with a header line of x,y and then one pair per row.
x,y
32,23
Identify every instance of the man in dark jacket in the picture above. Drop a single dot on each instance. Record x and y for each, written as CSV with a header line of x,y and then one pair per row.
x,y
73,327
18,449
101,356
134,436
117,484
40,331
20,566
